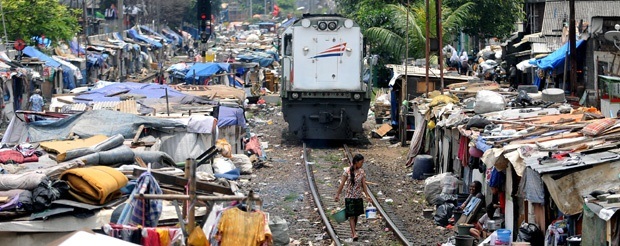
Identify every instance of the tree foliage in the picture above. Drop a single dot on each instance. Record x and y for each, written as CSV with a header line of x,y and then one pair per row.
x,y
393,36
491,18
27,18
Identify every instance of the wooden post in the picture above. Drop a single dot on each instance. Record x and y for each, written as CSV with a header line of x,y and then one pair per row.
x,y
191,217
187,176
439,27
428,45
572,46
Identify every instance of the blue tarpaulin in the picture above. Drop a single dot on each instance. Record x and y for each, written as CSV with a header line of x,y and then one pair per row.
x,y
199,71
34,53
173,35
153,32
192,31
263,61
133,34
556,59
112,92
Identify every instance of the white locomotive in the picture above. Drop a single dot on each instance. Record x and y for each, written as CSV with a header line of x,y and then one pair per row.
x,y
323,94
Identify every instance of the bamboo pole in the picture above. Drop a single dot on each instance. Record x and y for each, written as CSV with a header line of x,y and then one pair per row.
x,y
191,216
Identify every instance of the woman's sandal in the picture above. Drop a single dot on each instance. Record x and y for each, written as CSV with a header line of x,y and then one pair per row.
x,y
355,239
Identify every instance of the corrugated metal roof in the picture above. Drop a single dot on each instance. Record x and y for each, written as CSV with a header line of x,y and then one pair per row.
x,y
557,12
581,161
105,105
78,107
128,106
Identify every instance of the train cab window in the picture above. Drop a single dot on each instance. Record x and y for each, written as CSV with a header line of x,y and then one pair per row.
x,y
288,44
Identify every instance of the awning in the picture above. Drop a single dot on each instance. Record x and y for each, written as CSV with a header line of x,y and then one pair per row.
x,y
555,59
34,53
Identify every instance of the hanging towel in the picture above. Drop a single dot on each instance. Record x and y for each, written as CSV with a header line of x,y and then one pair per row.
x,y
94,185
139,211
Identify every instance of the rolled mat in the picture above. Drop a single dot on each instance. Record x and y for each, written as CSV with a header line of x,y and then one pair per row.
x,y
94,185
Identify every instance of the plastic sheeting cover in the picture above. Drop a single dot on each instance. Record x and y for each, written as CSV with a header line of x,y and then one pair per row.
x,y
90,123
34,53
148,90
230,117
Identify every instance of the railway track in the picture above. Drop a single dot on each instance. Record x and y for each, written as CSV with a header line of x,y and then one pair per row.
x,y
323,198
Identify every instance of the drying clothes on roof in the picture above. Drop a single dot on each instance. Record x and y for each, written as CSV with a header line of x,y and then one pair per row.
x,y
95,185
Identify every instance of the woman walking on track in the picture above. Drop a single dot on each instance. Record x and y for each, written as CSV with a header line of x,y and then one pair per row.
x,y
355,179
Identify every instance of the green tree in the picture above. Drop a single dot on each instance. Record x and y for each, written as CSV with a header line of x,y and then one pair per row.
x,y
491,18
393,37
28,18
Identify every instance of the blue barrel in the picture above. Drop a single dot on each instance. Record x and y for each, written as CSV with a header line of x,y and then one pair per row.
x,y
422,164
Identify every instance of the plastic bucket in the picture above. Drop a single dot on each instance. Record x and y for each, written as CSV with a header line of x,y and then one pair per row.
x,y
371,212
464,240
503,237
463,229
339,216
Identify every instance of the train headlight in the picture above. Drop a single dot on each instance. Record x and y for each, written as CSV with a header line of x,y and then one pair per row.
x,y
348,23
322,25
305,23
357,96
332,25
295,96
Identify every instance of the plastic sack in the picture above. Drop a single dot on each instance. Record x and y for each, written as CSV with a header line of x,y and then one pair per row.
x,y
222,165
279,231
242,162
529,232
432,188
489,101
443,214
449,184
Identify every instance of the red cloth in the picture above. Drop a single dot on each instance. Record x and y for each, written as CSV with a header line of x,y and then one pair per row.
x,y
502,202
32,158
463,153
152,238
11,156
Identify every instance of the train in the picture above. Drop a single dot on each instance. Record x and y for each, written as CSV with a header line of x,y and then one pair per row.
x,y
322,90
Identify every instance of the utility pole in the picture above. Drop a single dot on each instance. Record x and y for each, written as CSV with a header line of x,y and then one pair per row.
x,y
428,45
438,24
402,123
120,12
572,39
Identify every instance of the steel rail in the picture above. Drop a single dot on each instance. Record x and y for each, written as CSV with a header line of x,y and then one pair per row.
x,y
317,199
377,205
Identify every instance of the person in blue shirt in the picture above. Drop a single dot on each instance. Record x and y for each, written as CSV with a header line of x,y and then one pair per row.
x,y
36,102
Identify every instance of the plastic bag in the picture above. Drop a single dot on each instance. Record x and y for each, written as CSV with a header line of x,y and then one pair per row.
x,y
489,101
222,165
449,184
529,232
443,214
279,231
432,188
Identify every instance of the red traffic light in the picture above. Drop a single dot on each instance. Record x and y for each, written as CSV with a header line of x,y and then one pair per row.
x,y
203,16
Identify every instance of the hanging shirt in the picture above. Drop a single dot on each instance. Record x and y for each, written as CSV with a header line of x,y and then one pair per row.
x,y
36,102
237,227
354,190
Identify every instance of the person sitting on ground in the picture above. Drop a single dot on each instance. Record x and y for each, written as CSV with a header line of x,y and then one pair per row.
x,y
497,202
475,189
